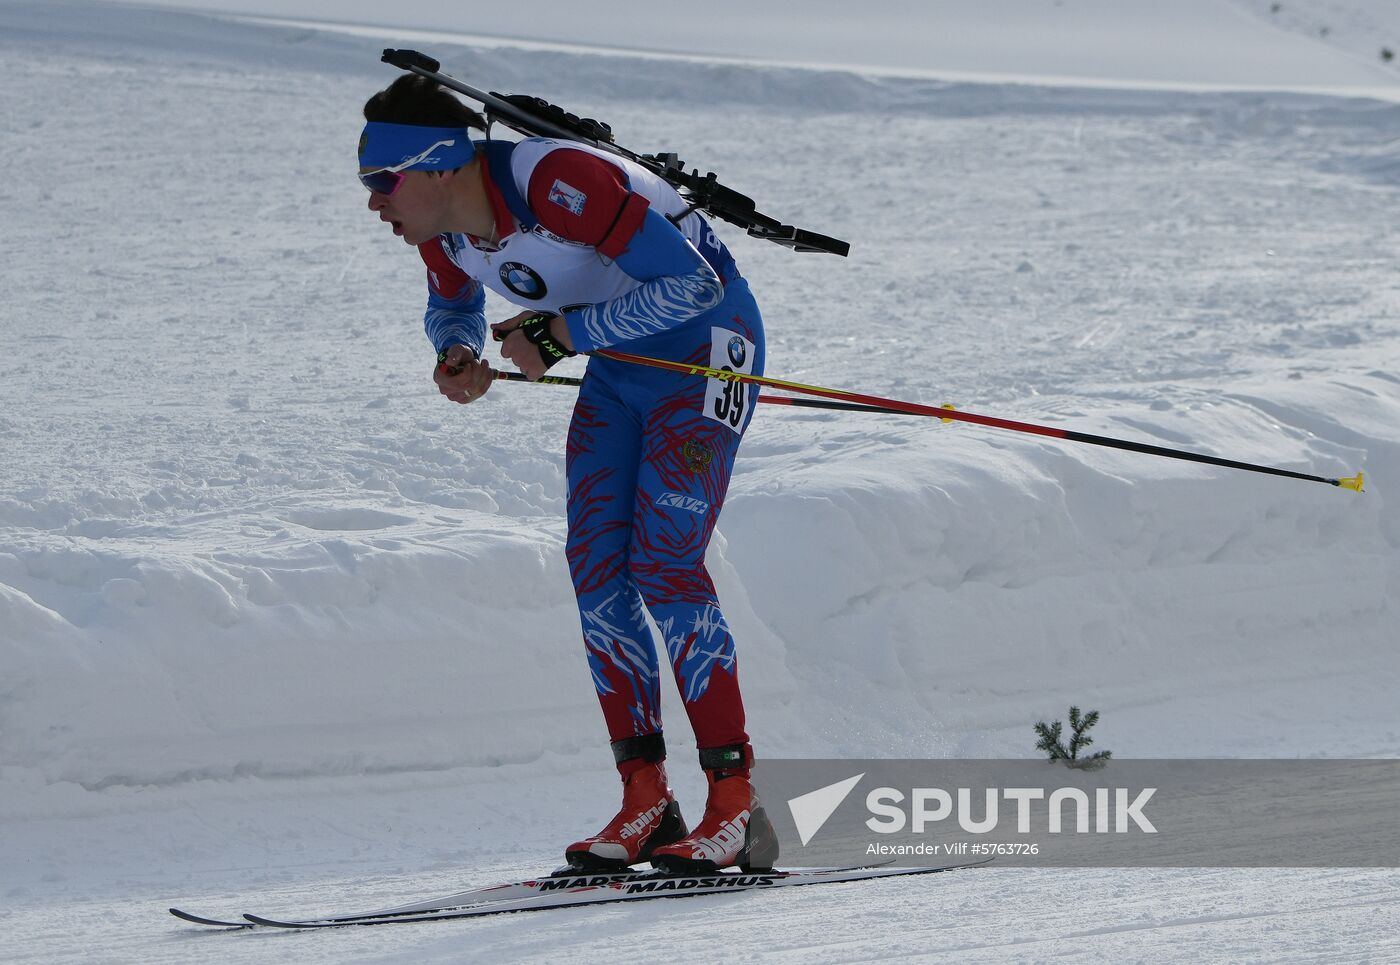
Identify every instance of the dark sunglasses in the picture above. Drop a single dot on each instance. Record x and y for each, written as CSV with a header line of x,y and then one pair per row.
x,y
382,182
387,180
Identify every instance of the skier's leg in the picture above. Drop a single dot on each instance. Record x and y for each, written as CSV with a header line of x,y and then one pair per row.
x,y
690,434
601,466
603,448
680,492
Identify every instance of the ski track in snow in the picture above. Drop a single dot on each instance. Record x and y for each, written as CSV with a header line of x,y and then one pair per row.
x,y
263,637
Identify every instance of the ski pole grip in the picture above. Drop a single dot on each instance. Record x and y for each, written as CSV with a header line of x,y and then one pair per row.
x,y
446,369
409,59
498,337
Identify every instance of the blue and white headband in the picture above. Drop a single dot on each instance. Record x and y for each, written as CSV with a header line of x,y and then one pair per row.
x,y
411,147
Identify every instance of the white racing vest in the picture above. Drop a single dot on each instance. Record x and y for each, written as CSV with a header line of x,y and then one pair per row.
x,y
539,268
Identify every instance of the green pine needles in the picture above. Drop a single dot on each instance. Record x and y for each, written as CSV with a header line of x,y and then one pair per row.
x,y
1052,743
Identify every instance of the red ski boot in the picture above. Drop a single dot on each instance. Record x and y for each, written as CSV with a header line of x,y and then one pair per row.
x,y
735,829
650,816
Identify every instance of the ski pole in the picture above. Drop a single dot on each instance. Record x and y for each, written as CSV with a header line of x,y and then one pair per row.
x,y
1354,483
771,399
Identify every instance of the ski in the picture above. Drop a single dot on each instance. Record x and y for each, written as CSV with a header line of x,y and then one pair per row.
x,y
201,920
638,886
562,879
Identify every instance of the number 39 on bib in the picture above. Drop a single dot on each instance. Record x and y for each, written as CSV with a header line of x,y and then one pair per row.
x,y
728,401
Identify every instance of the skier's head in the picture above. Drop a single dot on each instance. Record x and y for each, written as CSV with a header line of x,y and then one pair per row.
x,y
414,124
415,133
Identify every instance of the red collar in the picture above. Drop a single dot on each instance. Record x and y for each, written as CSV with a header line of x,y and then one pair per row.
x,y
505,223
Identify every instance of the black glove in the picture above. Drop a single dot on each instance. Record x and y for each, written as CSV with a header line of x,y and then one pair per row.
x,y
536,329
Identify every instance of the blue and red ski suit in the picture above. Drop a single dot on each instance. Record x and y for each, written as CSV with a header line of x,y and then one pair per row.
x,y
587,235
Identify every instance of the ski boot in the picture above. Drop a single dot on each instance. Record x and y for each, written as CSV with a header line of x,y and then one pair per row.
x,y
650,816
735,829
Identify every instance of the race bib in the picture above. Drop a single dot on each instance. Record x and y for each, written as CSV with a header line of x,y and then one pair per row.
x,y
728,401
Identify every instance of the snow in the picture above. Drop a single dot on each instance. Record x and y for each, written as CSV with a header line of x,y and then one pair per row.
x,y
1187,42
279,628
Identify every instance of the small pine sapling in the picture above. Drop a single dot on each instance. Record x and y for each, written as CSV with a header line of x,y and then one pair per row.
x,y
1051,741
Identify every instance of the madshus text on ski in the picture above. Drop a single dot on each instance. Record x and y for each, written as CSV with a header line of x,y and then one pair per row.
x,y
567,889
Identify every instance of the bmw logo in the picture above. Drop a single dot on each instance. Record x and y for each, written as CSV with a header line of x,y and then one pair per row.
x,y
737,352
523,280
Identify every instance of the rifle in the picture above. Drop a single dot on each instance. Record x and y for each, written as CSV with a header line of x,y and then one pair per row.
x,y
535,117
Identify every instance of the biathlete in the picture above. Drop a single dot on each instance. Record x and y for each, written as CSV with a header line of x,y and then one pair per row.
x,y
600,253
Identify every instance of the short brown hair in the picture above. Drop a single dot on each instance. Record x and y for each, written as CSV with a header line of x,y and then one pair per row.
x,y
414,99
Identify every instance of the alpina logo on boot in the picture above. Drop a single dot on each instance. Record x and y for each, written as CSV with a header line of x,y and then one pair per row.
x,y
641,823
727,840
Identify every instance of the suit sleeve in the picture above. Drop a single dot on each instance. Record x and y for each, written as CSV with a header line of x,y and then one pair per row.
x,y
456,313
585,199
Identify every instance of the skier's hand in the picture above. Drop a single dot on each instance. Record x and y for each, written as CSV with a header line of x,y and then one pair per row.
x,y
515,347
461,376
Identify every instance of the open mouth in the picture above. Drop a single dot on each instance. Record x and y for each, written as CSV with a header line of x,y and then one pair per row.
x,y
398,227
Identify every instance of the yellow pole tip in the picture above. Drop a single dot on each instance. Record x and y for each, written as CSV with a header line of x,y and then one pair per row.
x,y
948,405
1354,483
